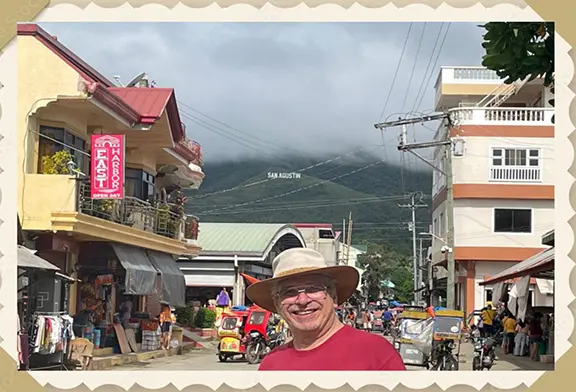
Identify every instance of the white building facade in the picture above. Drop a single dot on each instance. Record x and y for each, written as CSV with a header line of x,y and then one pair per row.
x,y
503,175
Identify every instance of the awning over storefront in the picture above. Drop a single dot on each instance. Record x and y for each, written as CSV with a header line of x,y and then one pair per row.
x,y
28,259
140,273
545,286
541,265
173,281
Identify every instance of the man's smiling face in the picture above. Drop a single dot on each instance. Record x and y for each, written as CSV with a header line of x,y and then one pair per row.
x,y
305,302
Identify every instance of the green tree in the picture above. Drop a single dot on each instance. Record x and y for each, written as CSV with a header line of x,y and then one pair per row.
x,y
520,50
382,262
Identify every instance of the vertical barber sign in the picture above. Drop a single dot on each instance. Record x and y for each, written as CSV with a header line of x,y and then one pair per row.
x,y
107,160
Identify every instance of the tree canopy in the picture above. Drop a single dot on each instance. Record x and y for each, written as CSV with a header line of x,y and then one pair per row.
x,y
381,263
520,50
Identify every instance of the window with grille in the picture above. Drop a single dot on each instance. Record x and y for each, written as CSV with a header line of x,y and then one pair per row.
x,y
516,157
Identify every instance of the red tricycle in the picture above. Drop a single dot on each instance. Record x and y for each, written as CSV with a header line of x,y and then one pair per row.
x,y
236,326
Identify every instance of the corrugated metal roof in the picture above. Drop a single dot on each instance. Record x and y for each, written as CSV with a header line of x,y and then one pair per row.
x,y
237,237
28,259
149,102
538,260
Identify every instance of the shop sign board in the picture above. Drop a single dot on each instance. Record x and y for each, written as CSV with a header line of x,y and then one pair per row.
x,y
107,162
103,280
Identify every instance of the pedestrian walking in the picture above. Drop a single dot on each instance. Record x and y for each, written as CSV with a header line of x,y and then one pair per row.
x,y
509,332
521,339
488,315
304,290
165,319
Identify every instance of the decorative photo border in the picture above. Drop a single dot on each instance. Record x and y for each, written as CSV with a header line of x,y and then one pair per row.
x,y
14,11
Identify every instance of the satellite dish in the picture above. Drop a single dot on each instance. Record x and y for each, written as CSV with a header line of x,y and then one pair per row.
x,y
137,79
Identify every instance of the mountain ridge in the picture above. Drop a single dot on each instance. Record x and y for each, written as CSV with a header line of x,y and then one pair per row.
x,y
239,190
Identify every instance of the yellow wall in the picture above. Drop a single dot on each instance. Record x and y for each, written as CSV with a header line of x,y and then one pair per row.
x,y
42,76
43,194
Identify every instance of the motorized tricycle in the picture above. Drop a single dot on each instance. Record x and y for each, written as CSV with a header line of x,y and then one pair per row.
x,y
261,336
447,335
410,325
231,335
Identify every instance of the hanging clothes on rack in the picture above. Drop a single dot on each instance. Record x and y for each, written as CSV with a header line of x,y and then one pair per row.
x,y
51,333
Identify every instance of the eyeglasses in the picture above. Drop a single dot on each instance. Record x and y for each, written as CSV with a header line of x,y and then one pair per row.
x,y
315,293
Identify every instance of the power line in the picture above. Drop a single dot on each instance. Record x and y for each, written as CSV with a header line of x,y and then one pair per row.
x,y
397,70
422,88
301,189
283,148
414,66
435,63
330,160
226,134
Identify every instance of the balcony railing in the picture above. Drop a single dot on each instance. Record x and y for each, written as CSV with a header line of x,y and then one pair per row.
x,y
467,75
503,116
191,149
133,212
515,174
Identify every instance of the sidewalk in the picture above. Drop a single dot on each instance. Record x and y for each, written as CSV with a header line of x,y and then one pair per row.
x,y
512,362
110,361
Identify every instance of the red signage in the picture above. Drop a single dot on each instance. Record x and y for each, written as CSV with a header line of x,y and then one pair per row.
x,y
107,160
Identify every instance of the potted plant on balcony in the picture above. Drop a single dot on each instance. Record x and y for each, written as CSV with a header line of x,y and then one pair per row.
x,y
58,163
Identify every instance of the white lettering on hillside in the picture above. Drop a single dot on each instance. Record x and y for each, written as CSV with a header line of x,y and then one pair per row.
x,y
289,176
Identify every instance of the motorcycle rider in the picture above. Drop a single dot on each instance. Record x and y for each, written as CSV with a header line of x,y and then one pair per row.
x,y
386,320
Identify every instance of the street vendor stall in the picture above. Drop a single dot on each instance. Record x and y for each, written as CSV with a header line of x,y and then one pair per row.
x,y
42,308
511,289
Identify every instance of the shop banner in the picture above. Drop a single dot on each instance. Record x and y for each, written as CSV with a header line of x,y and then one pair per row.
x,y
107,161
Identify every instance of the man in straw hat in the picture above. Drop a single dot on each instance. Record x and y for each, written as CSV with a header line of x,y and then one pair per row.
x,y
305,291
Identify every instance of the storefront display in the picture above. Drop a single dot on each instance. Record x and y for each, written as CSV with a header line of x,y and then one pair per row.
x,y
50,337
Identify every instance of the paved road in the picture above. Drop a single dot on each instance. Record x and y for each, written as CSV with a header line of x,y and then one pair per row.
x,y
206,359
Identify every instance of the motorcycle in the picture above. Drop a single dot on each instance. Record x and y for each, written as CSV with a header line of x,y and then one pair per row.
x,y
443,357
484,353
258,346
387,327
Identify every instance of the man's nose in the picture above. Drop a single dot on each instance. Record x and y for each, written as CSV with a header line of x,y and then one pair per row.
x,y
302,299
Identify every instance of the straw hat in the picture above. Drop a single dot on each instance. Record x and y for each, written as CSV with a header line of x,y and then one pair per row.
x,y
300,262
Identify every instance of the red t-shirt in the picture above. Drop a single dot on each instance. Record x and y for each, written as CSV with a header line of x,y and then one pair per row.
x,y
347,349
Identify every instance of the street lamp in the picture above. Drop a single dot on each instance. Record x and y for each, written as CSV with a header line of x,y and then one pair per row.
x,y
435,237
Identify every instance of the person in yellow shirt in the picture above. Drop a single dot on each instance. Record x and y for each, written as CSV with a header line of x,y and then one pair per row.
x,y
488,315
509,333
165,319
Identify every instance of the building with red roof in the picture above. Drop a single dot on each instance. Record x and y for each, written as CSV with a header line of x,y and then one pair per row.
x,y
62,102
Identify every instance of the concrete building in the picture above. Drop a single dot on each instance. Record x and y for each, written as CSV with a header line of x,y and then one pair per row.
x,y
320,237
232,249
350,257
128,244
503,172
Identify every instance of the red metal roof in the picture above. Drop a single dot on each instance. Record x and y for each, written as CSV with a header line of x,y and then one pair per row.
x,y
149,102
540,262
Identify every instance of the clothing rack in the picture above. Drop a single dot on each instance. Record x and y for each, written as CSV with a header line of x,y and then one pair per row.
x,y
60,355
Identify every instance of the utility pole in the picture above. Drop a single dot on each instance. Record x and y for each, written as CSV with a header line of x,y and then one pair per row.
x,y
349,239
420,266
447,172
413,206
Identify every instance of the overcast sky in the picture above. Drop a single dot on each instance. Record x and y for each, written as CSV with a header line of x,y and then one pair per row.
x,y
313,87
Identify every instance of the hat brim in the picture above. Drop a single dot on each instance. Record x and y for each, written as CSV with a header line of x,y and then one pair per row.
x,y
346,280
